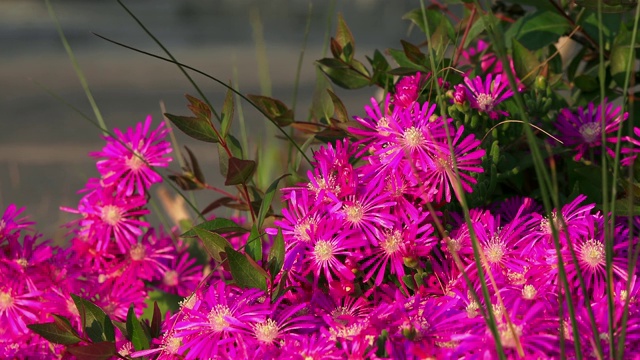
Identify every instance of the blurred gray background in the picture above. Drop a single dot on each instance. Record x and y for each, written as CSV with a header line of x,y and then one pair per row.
x,y
44,144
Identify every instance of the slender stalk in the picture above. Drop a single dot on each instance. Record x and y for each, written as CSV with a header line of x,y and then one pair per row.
x,y
78,70
214,79
541,173
490,319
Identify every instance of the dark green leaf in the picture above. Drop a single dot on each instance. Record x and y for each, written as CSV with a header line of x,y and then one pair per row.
x,y
379,68
413,53
342,74
59,331
219,225
195,167
525,63
216,204
623,208
254,244
240,171
214,243
199,108
586,83
539,29
276,255
122,326
340,111
274,109
138,337
245,272
268,198
185,181
197,128
344,38
620,55
227,114
97,351
95,322
434,18
609,6
156,321
542,5
321,104
401,59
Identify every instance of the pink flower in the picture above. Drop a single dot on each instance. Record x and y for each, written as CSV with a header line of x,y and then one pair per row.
x,y
129,158
485,96
182,275
408,89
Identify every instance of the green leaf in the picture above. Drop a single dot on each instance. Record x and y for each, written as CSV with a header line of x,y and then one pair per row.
x,y
620,55
199,108
274,109
321,104
542,5
213,243
413,53
218,225
245,272
240,171
138,336
254,244
342,74
379,68
340,111
539,29
276,255
227,114
586,83
195,167
609,6
268,199
434,18
344,38
59,331
122,326
197,128
97,351
95,322
525,63
156,321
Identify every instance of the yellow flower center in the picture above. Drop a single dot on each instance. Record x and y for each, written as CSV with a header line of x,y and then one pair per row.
x,y
111,214
217,317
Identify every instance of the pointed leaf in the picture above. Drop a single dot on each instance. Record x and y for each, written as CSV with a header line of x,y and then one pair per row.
x,y
276,255
214,243
59,331
539,29
240,171
122,326
342,74
97,351
227,114
138,337
197,172
95,322
245,273
340,111
197,128
274,109
413,53
525,63
219,225
156,321
216,204
268,198
254,244
345,39
199,108
185,182
620,55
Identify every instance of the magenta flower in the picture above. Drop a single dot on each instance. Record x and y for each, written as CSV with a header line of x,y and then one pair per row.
x,y
468,158
108,216
129,158
10,223
408,89
584,129
630,152
485,96
18,306
219,324
182,275
147,259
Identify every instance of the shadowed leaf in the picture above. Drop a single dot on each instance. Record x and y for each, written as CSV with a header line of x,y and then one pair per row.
x,y
274,109
245,272
59,331
97,351
95,322
240,171
136,333
197,128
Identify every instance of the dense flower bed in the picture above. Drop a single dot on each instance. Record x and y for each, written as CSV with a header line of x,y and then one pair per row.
x,y
375,255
